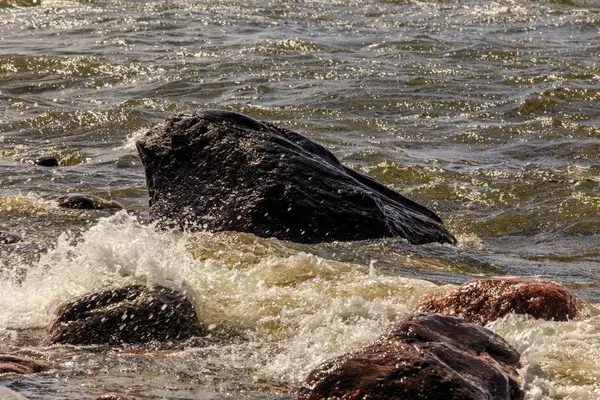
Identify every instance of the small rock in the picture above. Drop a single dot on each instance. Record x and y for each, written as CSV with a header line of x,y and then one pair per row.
x,y
114,396
486,300
427,357
132,314
87,202
128,161
19,365
9,238
47,161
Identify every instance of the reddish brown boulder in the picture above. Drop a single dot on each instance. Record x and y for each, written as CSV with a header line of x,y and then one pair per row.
x,y
427,357
20,365
132,314
485,300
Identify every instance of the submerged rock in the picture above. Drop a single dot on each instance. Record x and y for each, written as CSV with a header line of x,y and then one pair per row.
x,y
485,300
128,161
114,396
47,161
9,238
87,202
132,314
19,365
221,170
427,357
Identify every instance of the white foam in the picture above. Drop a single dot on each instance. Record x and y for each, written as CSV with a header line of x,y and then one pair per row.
x,y
297,309
116,251
560,360
128,146
306,307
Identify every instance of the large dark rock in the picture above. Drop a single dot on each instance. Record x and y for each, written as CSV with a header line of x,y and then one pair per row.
x,y
19,365
220,170
132,314
486,300
427,357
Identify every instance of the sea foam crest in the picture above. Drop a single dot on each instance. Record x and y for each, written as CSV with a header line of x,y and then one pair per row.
x,y
115,252
295,308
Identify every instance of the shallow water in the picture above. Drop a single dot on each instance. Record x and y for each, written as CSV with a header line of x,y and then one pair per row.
x,y
484,111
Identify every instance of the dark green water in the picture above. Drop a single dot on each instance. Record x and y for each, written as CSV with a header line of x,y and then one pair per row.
x,y
485,111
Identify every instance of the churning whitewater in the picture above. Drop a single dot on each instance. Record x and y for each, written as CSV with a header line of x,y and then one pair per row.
x,y
485,112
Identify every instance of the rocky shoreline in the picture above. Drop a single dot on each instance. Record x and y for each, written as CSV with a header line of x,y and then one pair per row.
x,y
427,355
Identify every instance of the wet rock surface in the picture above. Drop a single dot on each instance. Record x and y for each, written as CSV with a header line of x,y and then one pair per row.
x,y
47,161
486,300
132,314
87,202
128,161
19,365
9,238
220,170
427,357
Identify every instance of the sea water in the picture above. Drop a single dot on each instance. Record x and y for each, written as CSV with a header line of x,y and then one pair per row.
x,y
484,111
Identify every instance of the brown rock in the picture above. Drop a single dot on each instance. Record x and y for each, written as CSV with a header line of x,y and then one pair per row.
x,y
427,357
19,365
485,300
87,202
132,314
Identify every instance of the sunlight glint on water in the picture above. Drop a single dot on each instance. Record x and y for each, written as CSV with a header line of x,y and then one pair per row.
x,y
485,111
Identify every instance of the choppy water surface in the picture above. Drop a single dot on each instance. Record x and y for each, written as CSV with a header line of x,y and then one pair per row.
x,y
485,111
